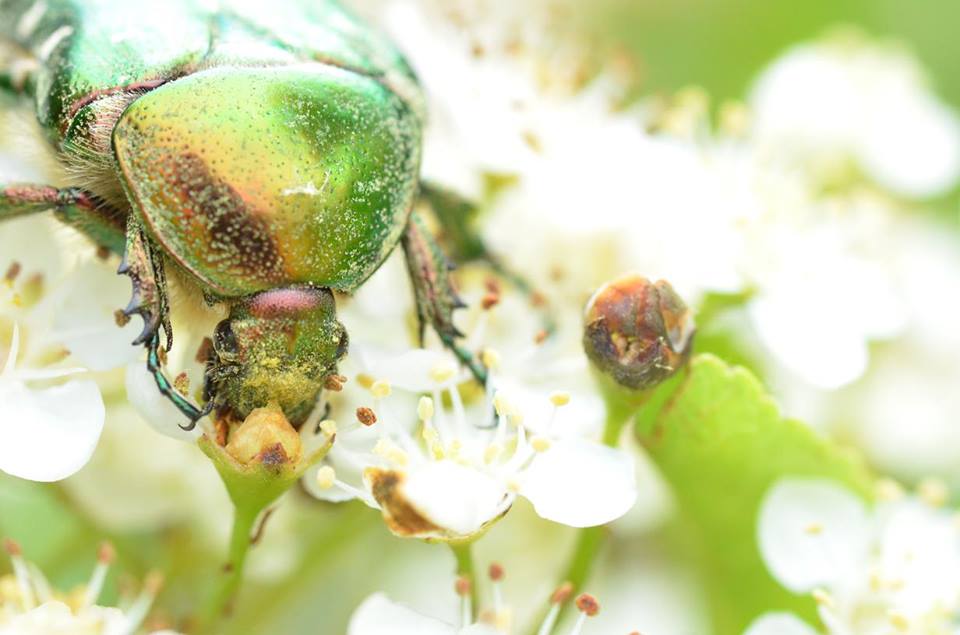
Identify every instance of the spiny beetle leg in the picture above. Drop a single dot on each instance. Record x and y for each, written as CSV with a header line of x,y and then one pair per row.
x,y
457,216
435,296
75,207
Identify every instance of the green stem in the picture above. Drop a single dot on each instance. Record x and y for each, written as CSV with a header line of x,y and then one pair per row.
x,y
466,569
219,604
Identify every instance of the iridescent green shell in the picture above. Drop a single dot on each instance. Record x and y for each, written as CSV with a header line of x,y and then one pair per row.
x,y
263,143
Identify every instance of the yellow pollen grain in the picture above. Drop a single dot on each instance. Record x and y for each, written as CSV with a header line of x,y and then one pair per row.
x,y
823,598
540,444
898,620
425,408
490,358
442,372
380,389
365,380
328,427
814,529
560,398
326,477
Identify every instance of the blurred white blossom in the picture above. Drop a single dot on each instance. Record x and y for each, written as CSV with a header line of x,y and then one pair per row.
x,y
896,566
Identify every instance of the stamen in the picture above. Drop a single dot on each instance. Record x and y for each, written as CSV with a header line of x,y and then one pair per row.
x,y
823,598
588,607
490,300
557,600
27,598
12,272
814,529
560,398
391,451
366,416
105,556
381,389
443,372
141,606
464,589
365,380
889,490
496,577
899,621
329,427
425,409
490,358
540,444
334,383
326,477
9,365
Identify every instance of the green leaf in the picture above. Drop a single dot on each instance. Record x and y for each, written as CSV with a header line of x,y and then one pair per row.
x,y
721,442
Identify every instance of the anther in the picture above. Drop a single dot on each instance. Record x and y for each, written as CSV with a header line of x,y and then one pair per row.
x,y
540,444
490,358
557,600
933,492
182,383
463,586
121,318
425,408
587,604
380,389
464,589
326,477
496,572
540,337
365,380
329,427
899,621
12,272
442,372
334,383
559,398
490,300
22,573
366,416
889,490
563,593
813,529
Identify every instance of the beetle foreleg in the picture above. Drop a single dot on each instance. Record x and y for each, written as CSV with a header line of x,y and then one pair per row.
x,y
75,207
435,296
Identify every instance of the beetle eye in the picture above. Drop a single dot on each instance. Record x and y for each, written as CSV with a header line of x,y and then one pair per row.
x,y
224,340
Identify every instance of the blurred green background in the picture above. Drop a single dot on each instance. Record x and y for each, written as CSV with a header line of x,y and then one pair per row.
x,y
722,44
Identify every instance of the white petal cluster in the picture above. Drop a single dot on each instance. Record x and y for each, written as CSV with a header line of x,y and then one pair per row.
x,y
30,606
893,568
447,472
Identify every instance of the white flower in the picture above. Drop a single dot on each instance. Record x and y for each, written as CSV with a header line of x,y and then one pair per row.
x,y
378,615
46,434
30,606
848,98
449,472
896,567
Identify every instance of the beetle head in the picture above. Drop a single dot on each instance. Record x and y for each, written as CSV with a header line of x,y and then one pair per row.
x,y
279,347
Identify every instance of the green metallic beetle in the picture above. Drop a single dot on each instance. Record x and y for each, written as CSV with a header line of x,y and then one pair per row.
x,y
269,151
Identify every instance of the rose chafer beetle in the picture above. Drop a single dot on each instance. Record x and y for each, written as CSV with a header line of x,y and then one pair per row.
x,y
268,152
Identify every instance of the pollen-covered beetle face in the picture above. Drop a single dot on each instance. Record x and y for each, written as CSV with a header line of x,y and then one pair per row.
x,y
278,347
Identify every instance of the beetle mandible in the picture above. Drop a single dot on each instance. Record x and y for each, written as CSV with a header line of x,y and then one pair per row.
x,y
269,152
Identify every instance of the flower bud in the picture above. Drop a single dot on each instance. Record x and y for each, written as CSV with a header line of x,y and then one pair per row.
x,y
637,332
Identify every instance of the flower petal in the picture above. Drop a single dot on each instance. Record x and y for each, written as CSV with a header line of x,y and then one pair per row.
x,y
84,318
49,434
580,483
411,370
157,410
812,532
456,498
779,624
380,616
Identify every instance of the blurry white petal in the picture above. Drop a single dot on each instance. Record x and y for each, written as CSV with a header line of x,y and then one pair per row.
x,y
84,318
779,624
812,533
157,410
456,497
379,616
580,483
49,434
411,370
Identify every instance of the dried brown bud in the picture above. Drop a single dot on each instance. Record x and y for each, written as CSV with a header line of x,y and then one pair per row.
x,y
638,332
